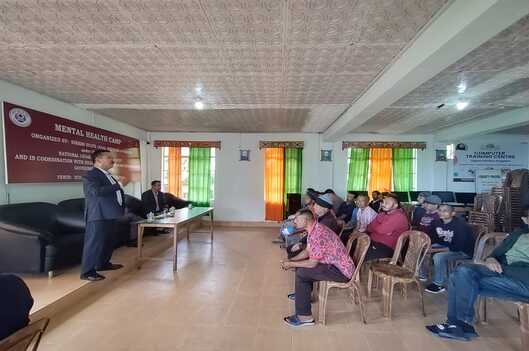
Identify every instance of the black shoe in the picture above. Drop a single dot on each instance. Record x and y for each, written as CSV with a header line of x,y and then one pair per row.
x,y
468,331
110,267
92,277
434,288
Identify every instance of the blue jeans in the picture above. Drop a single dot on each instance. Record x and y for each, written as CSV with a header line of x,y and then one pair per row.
x,y
470,280
440,265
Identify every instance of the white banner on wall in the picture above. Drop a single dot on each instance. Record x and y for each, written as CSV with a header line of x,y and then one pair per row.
x,y
502,157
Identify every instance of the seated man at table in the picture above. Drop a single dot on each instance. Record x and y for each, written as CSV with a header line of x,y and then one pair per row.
x,y
154,200
452,232
503,275
431,207
324,259
15,304
386,228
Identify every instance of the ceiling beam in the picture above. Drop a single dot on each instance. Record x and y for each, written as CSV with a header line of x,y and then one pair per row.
x,y
461,27
492,124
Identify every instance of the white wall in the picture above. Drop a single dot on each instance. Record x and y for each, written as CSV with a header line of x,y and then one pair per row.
x,y
14,193
239,186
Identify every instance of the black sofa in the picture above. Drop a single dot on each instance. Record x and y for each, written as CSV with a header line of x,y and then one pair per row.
x,y
38,237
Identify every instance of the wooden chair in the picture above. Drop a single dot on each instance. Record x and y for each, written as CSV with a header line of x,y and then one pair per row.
x,y
391,273
479,231
25,337
362,245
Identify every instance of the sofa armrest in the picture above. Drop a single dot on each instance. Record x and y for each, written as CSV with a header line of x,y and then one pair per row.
x,y
21,229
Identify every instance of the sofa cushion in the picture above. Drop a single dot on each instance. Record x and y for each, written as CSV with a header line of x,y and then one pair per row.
x,y
39,215
70,215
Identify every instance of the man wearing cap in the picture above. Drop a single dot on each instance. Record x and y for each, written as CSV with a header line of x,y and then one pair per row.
x,y
322,211
419,210
386,228
431,205
454,233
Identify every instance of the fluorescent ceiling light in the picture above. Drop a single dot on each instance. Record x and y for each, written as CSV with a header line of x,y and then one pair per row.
x,y
461,88
199,105
461,105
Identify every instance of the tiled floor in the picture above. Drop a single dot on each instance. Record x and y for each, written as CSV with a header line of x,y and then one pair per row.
x,y
232,296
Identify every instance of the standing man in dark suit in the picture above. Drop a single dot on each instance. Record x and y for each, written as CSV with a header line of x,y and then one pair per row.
x,y
154,200
105,203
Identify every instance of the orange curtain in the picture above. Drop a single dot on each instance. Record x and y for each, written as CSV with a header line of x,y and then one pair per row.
x,y
274,183
381,170
175,171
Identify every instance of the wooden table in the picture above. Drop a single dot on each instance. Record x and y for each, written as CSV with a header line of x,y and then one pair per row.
x,y
181,217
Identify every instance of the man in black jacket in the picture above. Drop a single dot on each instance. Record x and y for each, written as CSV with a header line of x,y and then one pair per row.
x,y
452,232
15,304
504,275
154,200
105,203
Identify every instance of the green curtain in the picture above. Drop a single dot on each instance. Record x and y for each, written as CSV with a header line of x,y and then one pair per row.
x,y
293,169
200,176
402,169
358,174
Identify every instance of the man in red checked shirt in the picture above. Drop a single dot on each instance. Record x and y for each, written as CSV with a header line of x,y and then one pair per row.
x,y
324,259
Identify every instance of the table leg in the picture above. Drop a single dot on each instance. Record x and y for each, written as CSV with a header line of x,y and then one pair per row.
x,y
187,229
175,246
211,224
140,245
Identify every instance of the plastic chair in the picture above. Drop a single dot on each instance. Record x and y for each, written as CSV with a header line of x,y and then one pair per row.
x,y
391,273
362,245
22,339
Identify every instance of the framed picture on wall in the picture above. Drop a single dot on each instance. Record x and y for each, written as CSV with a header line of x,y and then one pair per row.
x,y
244,155
440,155
326,155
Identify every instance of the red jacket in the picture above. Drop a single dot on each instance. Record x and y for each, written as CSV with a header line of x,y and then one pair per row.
x,y
388,226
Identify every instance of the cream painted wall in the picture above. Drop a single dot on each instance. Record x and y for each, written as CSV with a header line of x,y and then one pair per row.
x,y
239,186
14,193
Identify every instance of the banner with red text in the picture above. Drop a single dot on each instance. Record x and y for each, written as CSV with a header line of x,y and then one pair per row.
x,y
43,148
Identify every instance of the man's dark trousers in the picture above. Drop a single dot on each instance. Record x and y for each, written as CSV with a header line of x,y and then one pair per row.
x,y
99,243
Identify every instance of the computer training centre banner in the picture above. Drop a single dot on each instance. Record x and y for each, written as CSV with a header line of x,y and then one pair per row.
x,y
470,158
43,148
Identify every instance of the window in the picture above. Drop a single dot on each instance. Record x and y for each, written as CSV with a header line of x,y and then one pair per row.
x,y
360,169
450,151
184,176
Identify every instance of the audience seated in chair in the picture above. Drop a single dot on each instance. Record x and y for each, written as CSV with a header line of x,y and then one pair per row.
x,y
325,258
503,275
322,210
288,233
386,228
365,214
419,209
336,200
431,207
376,200
346,209
15,304
153,199
456,234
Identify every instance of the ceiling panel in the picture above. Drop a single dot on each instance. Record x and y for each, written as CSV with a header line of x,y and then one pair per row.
x,y
495,78
229,120
236,52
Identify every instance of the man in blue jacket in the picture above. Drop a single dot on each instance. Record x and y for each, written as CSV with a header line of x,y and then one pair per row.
x,y
105,203
504,275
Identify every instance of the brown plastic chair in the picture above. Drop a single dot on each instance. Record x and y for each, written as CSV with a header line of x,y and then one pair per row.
x,y
483,249
362,245
391,273
22,339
